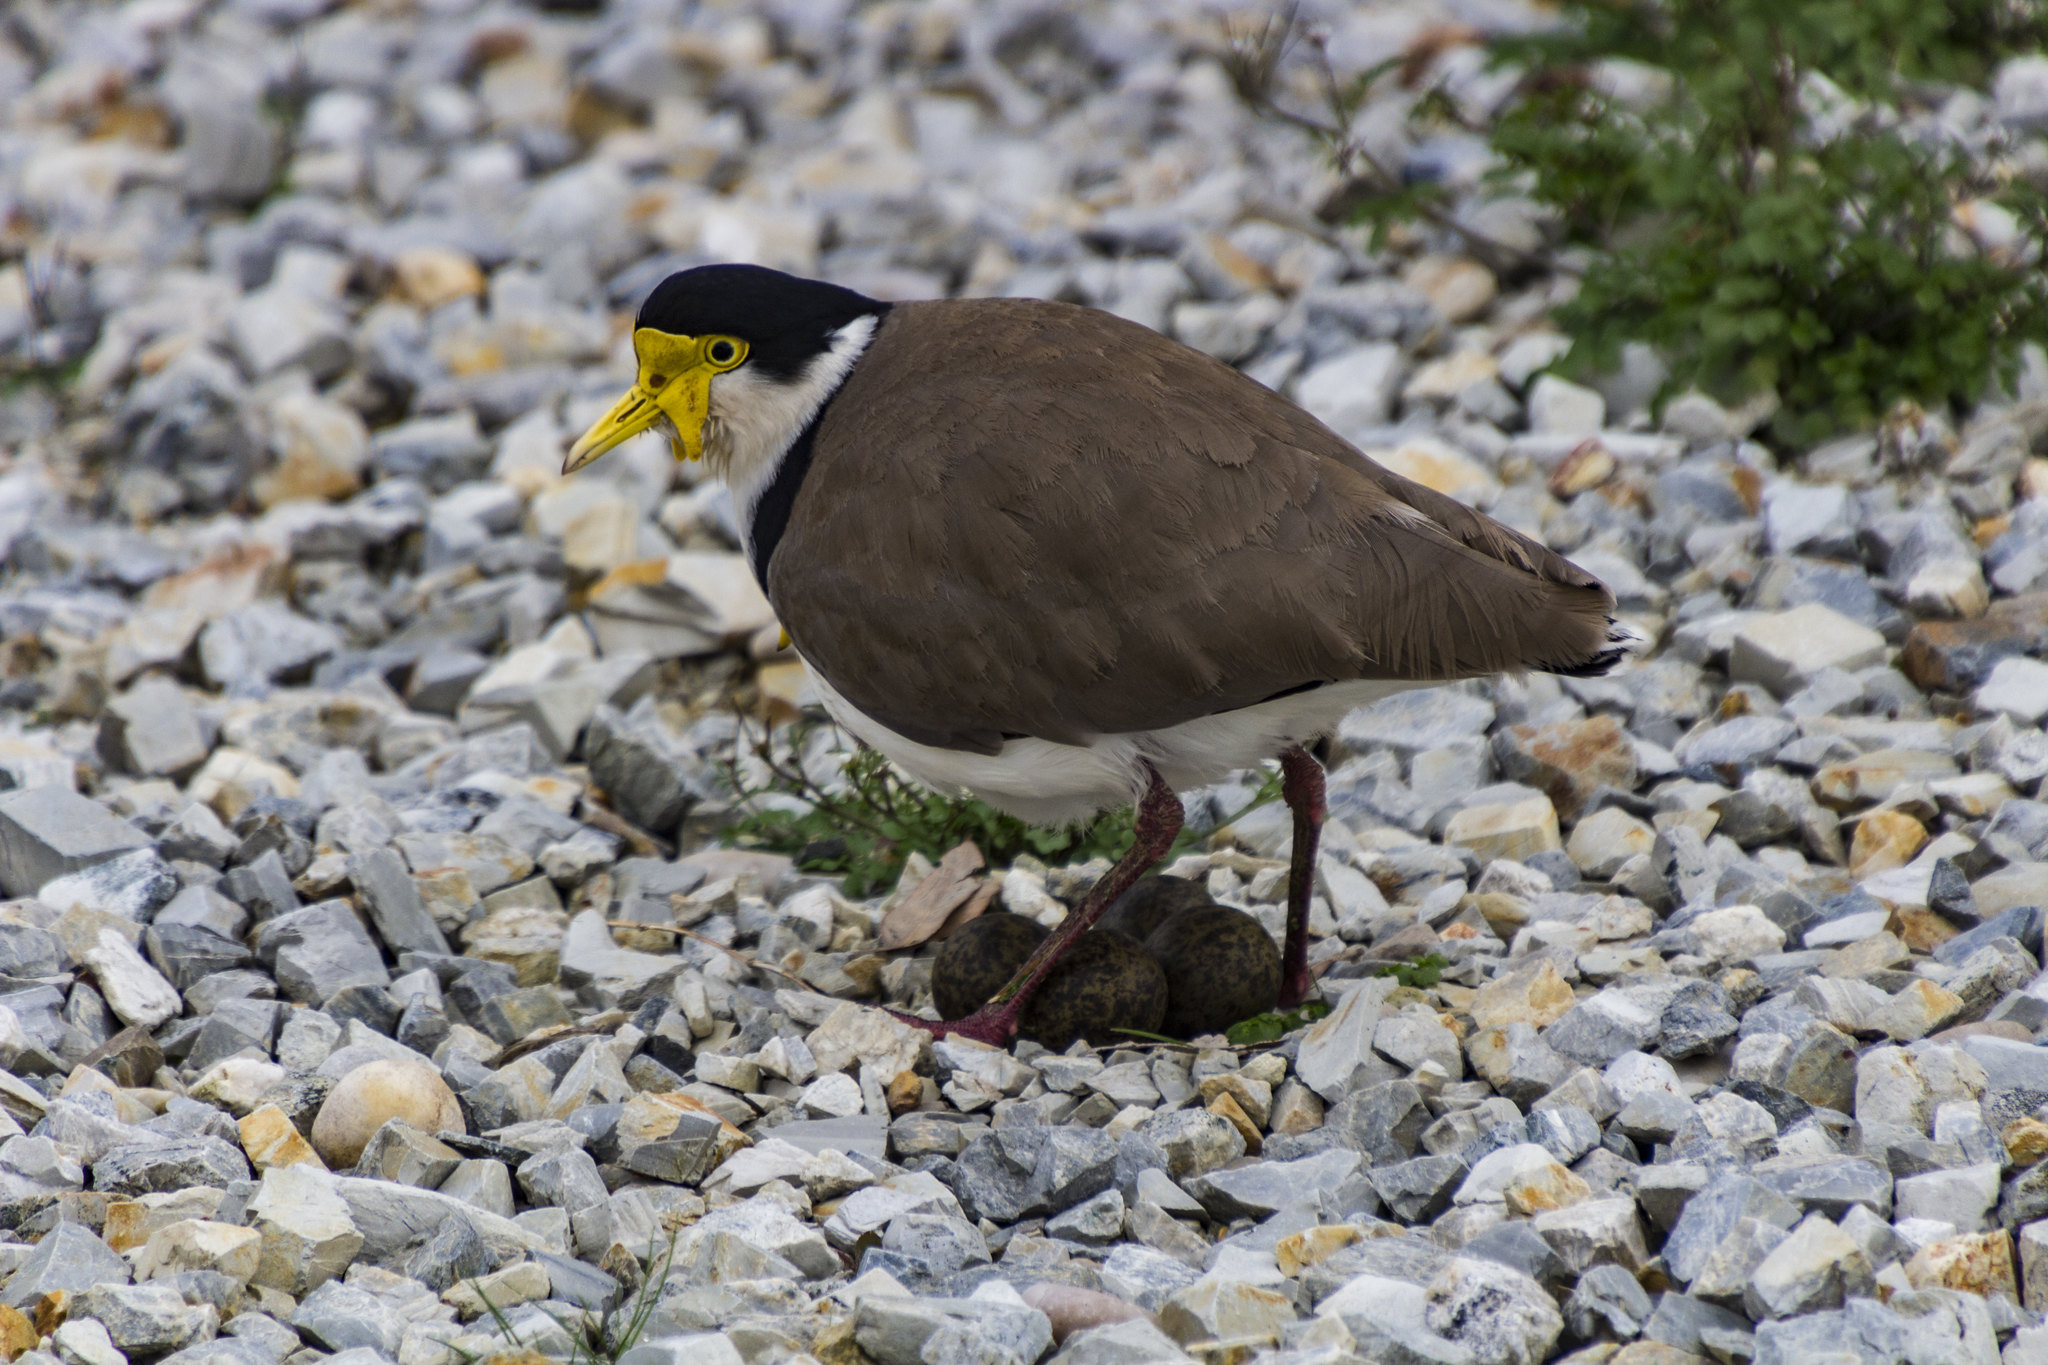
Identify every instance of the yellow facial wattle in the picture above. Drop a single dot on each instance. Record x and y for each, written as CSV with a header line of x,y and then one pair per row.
x,y
675,382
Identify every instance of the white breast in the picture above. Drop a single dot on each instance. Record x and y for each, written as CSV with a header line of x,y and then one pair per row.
x,y
753,421
1049,784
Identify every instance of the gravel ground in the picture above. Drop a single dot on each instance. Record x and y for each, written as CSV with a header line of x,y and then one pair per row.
x,y
338,731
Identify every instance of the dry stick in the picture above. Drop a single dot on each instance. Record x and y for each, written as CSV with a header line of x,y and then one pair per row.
x,y
755,963
608,821
1344,149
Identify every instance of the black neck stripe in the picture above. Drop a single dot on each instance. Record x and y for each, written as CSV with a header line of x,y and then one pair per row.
x,y
771,509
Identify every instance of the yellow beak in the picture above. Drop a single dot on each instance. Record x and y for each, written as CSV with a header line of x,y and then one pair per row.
x,y
675,382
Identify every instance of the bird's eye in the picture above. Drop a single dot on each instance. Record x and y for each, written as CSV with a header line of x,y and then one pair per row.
x,y
723,352
659,381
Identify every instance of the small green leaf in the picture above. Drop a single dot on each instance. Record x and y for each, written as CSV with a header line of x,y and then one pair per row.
x,y
1419,972
1274,1025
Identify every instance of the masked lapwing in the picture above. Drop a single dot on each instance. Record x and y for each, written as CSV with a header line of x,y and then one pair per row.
x,y
1050,557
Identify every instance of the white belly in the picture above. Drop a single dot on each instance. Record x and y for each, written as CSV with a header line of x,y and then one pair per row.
x,y
1045,783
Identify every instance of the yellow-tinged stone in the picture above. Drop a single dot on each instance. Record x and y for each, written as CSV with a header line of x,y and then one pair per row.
x,y
1643,1353
789,683
2026,1141
1459,288
128,1108
1876,775
303,476
1503,913
51,1311
1298,1251
2033,481
1508,829
1700,822
1225,1311
229,580
1589,465
270,1140
835,1345
501,1289
730,1139
1550,1187
231,778
906,1092
1885,839
1917,1010
1919,928
132,1222
200,1244
1255,1098
1223,1106
1448,376
1880,952
17,1334
449,896
652,1117
430,276
1973,795
524,938
1535,995
1974,1262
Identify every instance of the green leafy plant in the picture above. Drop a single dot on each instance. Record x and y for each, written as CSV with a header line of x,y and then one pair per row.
x,y
1274,1025
864,830
1758,221
1757,189
1418,972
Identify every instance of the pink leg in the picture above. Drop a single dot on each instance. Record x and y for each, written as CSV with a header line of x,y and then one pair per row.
x,y
1159,819
1301,783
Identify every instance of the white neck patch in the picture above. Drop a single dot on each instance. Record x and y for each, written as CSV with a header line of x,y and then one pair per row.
x,y
754,420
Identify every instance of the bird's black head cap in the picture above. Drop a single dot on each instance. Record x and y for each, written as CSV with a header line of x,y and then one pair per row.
x,y
784,319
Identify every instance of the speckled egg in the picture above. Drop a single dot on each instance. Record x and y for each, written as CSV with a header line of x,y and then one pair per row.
x,y
1221,966
1105,983
978,959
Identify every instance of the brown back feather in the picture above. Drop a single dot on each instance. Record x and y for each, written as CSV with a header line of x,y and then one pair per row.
x,y
1027,518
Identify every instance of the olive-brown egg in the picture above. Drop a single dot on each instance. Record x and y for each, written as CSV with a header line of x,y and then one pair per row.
x,y
1221,966
1105,982
978,959
1151,903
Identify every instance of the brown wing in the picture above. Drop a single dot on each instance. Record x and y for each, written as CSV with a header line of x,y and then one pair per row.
x,y
1028,518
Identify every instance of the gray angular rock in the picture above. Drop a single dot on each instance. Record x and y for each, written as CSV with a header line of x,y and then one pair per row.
x,y
47,832
70,1258
1073,1164
394,902
342,1317
1194,1141
169,1164
1259,1189
152,730
147,1319
639,770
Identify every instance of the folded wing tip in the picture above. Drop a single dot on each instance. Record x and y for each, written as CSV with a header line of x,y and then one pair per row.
x,y
1623,640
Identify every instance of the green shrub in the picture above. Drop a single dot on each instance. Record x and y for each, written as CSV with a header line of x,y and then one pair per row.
x,y
1762,209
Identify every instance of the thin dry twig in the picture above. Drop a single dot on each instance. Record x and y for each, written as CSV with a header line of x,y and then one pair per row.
x,y
753,962
1254,70
609,821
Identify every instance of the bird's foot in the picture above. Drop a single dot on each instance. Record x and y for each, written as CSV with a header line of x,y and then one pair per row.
x,y
995,1025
